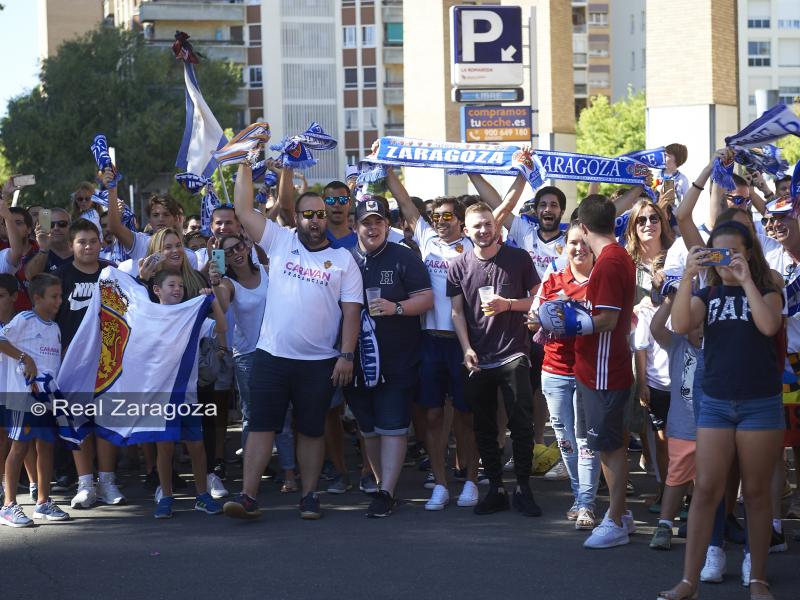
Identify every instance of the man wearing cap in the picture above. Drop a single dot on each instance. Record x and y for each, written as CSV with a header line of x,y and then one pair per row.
x,y
388,357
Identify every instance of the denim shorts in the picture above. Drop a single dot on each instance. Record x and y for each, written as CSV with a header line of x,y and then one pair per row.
x,y
441,372
384,409
748,415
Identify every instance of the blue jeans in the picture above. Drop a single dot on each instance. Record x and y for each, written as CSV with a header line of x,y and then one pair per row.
x,y
284,441
583,464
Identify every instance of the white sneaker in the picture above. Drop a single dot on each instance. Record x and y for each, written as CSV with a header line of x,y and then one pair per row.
x,y
158,495
628,522
607,535
509,466
714,569
215,487
746,567
108,493
439,498
85,498
469,495
558,472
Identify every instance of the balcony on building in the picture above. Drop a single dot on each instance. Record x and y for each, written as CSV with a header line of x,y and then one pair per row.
x,y
393,93
394,129
191,10
227,50
392,11
392,55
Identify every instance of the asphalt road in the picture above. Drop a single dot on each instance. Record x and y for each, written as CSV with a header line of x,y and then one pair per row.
x,y
123,552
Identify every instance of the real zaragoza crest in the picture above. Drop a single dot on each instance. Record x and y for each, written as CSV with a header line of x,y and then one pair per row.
x,y
114,334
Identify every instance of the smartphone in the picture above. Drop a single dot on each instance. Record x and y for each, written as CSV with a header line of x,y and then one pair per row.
x,y
21,181
218,256
668,185
45,221
718,257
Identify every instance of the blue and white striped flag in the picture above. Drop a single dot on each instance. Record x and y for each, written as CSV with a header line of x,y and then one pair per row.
x,y
202,134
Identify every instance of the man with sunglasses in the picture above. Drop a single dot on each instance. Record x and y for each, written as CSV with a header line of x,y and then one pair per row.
x,y
297,359
54,245
441,369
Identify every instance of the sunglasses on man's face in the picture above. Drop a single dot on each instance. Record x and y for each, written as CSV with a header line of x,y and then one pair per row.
x,y
332,200
772,219
444,216
61,224
738,200
234,249
309,214
642,221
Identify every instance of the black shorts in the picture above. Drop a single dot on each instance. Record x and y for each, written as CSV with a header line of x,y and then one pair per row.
x,y
386,408
603,413
659,407
276,381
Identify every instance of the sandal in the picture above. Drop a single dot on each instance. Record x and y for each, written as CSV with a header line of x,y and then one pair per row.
x,y
760,596
675,595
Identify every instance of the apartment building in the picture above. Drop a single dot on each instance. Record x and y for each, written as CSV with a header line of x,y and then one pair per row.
x,y
768,51
62,20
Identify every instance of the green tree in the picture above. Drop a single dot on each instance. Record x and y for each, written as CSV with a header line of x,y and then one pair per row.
x,y
609,129
790,145
109,81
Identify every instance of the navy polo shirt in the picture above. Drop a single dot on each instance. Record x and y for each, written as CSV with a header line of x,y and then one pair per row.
x,y
398,272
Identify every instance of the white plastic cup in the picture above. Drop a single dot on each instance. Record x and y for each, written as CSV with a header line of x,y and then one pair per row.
x,y
373,294
486,292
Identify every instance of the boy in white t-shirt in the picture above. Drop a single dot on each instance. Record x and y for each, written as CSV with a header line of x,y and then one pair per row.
x,y
31,345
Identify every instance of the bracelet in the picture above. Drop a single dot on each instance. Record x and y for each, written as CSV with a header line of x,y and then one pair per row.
x,y
510,305
697,187
22,356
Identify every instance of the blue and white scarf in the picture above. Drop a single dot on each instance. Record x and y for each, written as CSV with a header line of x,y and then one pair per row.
x,y
194,184
656,158
507,160
296,150
369,355
244,146
775,123
99,149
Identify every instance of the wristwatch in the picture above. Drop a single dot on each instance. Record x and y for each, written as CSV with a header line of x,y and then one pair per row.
x,y
348,356
398,308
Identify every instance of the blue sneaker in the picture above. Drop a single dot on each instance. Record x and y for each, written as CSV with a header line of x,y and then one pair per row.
x,y
50,511
242,506
164,508
13,516
205,503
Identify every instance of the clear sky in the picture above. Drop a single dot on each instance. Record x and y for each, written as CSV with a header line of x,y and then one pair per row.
x,y
19,49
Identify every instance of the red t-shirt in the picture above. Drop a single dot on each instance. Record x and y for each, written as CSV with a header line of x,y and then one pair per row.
x,y
603,360
559,354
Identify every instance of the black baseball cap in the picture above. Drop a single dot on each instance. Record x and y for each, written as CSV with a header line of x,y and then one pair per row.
x,y
369,207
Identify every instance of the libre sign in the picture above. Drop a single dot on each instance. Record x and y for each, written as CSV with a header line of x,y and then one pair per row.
x,y
487,46
496,124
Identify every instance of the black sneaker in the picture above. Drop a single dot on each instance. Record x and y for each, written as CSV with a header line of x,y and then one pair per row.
x,y
241,506
151,481
778,542
734,532
524,503
459,474
381,506
494,501
64,483
219,470
309,506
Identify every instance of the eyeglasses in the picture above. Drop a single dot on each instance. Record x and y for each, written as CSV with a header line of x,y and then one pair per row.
x,y
444,216
332,200
61,224
82,198
642,221
772,219
738,200
234,249
309,214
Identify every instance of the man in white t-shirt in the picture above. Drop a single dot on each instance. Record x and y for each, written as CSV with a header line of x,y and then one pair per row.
x,y
313,289
441,368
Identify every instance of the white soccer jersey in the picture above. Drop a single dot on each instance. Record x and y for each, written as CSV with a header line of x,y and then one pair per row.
x,y
525,235
302,314
41,340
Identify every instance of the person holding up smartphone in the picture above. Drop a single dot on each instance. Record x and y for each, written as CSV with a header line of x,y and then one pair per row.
x,y
741,415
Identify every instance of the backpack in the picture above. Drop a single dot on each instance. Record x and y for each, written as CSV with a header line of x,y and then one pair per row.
x,y
208,365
